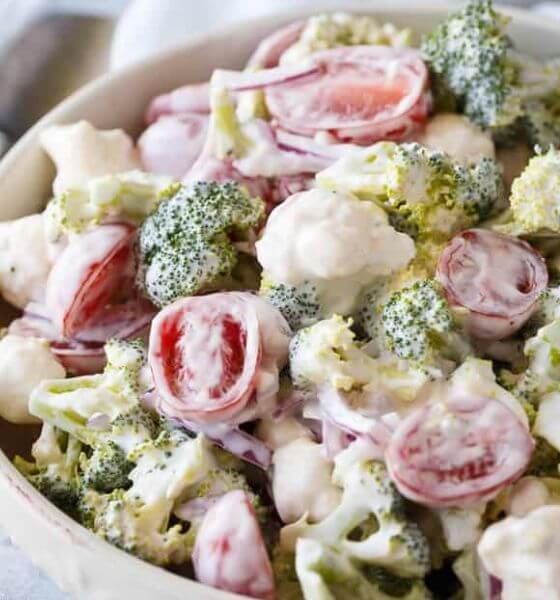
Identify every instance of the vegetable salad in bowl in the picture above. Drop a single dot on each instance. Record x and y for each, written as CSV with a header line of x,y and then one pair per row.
x,y
301,338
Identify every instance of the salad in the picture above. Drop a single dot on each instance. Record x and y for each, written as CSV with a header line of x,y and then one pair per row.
x,y
301,339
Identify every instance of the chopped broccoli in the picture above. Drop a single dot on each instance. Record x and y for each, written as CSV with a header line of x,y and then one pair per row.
x,y
327,353
299,305
535,197
326,573
55,470
132,195
186,245
332,30
418,325
106,469
545,460
469,52
541,123
137,520
370,525
100,408
470,55
426,193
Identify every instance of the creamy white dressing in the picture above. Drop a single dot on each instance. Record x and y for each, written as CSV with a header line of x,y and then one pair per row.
x,y
24,363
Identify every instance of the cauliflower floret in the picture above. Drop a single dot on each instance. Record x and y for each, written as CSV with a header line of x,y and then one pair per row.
x,y
547,424
25,260
332,30
462,527
426,193
24,363
535,196
526,495
458,137
276,433
301,482
81,152
333,240
369,525
132,195
524,553
543,352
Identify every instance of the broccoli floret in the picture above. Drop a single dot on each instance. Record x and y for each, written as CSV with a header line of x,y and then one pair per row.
x,y
55,470
426,193
370,525
137,520
106,469
545,460
326,573
132,195
535,197
417,322
299,305
471,55
541,122
469,52
186,244
102,408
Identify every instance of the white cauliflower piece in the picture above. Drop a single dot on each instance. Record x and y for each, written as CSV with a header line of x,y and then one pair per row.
x,y
24,363
543,351
334,240
524,553
25,260
81,152
301,482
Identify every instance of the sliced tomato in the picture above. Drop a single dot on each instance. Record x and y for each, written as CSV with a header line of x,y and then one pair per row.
x,y
204,354
171,145
92,269
121,321
459,452
361,94
230,553
192,98
498,278
270,50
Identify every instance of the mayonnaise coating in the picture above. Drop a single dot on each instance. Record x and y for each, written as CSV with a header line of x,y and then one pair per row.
x,y
457,136
25,260
24,363
301,482
334,239
81,152
524,553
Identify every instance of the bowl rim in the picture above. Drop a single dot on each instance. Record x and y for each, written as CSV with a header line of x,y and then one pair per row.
x,y
11,481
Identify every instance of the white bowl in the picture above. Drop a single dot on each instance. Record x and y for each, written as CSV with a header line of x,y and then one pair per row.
x,y
78,561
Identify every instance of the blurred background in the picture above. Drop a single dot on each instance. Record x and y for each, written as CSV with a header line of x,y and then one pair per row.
x,y
49,48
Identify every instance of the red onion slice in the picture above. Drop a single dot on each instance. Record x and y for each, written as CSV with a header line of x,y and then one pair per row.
x,y
192,98
269,51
